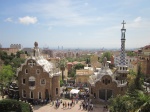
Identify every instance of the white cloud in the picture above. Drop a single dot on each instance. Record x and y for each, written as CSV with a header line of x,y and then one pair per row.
x,y
138,19
8,20
28,20
63,13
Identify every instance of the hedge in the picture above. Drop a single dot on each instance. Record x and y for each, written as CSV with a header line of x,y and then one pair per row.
x,y
9,105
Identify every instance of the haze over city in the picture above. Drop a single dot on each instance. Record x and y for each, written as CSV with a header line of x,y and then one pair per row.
x,y
74,23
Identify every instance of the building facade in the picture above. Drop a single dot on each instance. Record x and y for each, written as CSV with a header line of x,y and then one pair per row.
x,y
9,51
144,60
38,78
82,76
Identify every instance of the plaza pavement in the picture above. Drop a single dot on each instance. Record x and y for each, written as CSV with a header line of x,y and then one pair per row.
x,y
75,108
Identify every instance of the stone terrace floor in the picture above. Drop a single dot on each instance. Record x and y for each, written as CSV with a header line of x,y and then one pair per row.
x,y
75,108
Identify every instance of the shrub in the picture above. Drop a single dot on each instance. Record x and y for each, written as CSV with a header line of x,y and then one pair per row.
x,y
7,105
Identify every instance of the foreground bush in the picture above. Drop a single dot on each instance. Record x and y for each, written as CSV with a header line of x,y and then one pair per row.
x,y
8,105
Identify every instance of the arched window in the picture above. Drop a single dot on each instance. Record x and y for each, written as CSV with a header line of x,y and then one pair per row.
x,y
26,71
23,81
31,95
43,81
39,95
23,93
56,91
37,71
31,81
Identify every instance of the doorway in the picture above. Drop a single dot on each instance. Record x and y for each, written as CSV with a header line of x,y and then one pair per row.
x,y
105,94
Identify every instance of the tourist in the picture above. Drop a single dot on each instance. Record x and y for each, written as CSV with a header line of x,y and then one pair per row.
x,y
63,105
80,106
68,104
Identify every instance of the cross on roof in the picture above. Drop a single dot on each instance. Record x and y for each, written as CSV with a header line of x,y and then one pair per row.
x,y
31,63
123,24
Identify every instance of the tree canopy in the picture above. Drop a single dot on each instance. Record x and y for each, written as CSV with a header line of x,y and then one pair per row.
x,y
131,53
107,55
6,74
134,100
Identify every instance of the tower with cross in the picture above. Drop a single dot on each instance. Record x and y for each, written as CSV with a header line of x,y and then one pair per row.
x,y
122,67
122,54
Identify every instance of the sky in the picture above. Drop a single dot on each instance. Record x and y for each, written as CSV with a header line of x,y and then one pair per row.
x,y
74,23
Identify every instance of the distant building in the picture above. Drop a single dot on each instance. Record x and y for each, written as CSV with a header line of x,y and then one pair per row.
x,y
144,60
94,61
69,66
48,52
38,78
82,76
9,50
17,46
28,51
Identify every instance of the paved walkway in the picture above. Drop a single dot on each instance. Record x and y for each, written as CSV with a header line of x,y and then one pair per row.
x,y
76,108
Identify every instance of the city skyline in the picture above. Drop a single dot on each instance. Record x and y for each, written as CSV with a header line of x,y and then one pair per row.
x,y
74,24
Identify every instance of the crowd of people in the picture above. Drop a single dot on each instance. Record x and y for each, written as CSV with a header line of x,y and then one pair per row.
x,y
86,105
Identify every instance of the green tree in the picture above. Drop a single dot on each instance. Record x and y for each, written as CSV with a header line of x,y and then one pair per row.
x,y
61,83
6,75
131,53
134,100
107,55
120,104
18,54
72,72
138,79
78,66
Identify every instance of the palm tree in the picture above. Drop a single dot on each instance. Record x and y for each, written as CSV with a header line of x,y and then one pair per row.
x,y
62,65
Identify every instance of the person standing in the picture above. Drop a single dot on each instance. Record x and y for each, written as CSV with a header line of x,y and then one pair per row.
x,y
63,104
68,104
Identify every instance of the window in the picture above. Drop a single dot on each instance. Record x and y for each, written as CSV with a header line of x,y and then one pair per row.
x,y
91,90
23,81
37,71
31,81
24,93
43,81
31,94
26,71
103,81
39,95
56,91
106,81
